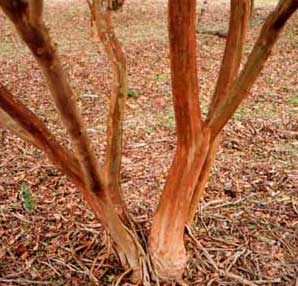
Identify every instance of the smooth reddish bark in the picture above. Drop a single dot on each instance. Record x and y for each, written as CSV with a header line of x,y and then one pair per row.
x,y
167,233
261,51
229,69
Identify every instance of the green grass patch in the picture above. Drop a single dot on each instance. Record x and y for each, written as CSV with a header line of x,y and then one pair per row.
x,y
25,195
132,93
293,100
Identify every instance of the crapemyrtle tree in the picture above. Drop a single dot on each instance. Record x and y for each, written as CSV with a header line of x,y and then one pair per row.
x,y
197,138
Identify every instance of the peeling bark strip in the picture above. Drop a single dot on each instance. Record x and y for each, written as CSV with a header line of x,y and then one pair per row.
x,y
240,11
255,62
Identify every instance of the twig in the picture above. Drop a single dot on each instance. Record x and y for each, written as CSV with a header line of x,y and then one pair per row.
x,y
52,267
69,266
206,253
25,281
21,217
207,204
122,276
295,208
234,202
203,222
81,264
236,257
267,282
238,278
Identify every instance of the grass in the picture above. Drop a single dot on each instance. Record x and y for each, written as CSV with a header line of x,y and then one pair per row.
x,y
293,100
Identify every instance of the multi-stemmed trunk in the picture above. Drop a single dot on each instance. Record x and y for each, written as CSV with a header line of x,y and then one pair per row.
x,y
197,140
94,183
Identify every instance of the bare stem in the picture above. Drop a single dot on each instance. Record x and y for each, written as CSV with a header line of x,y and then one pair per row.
x,y
35,11
256,60
233,50
115,117
228,71
167,232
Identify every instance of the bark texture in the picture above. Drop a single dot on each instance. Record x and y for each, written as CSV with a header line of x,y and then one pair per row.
x,y
261,51
167,233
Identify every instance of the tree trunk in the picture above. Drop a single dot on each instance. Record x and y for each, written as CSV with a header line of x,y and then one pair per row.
x,y
167,233
102,17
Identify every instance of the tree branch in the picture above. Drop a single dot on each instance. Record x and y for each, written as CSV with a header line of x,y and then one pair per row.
x,y
233,51
202,180
25,124
39,42
182,37
7,122
35,11
95,192
256,60
229,68
114,51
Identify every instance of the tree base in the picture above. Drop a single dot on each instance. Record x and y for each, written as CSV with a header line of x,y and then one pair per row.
x,y
169,266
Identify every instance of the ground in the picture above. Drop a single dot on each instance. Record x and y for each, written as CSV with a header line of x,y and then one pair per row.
x,y
248,221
